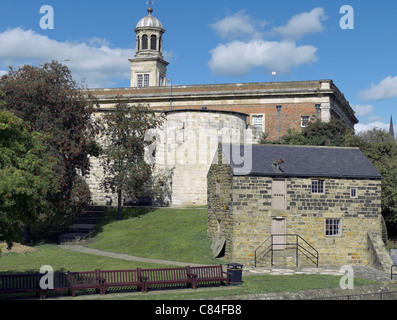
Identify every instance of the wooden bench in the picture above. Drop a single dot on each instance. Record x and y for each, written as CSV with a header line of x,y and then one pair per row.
x,y
19,283
121,278
168,276
209,274
85,280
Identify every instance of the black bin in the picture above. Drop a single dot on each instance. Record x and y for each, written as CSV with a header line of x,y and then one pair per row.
x,y
235,271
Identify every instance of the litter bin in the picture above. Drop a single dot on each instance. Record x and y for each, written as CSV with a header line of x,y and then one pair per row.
x,y
235,271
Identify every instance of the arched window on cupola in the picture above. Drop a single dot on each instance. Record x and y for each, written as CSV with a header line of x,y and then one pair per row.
x,y
153,42
138,40
144,42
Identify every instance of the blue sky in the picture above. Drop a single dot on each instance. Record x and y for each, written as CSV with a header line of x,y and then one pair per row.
x,y
220,41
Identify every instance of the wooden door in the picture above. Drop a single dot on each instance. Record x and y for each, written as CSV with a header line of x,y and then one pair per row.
x,y
279,234
279,195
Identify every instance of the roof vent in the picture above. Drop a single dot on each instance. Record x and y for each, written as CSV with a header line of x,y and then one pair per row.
x,y
277,164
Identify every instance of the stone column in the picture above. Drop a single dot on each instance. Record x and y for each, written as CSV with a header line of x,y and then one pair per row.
x,y
326,112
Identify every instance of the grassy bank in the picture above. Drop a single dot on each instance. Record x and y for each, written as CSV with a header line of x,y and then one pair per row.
x,y
168,234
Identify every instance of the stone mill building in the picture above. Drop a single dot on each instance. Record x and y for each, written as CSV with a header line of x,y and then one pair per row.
x,y
299,206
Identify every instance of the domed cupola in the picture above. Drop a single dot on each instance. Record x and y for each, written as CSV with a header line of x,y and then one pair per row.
x,y
148,68
149,21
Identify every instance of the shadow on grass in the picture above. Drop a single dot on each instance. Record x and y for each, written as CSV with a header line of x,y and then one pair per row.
x,y
127,213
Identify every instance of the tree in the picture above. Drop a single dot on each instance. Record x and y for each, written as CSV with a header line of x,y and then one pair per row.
x,y
51,102
26,177
123,157
381,149
319,133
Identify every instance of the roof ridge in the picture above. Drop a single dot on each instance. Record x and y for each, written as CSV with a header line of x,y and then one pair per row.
x,y
293,146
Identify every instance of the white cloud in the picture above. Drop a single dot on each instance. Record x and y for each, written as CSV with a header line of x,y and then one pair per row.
x,y
237,58
363,110
3,72
237,25
366,127
303,24
93,61
386,89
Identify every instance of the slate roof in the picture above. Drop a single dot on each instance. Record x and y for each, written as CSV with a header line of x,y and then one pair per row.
x,y
300,161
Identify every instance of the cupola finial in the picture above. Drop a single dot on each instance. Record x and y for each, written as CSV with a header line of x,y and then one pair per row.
x,y
150,9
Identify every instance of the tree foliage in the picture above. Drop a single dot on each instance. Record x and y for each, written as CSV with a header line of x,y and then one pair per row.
x,y
319,133
26,176
123,158
51,102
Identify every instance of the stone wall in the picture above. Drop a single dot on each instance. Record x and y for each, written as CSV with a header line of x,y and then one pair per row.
x,y
185,147
249,216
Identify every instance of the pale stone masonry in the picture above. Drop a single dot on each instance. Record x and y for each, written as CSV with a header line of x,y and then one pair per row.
x,y
337,222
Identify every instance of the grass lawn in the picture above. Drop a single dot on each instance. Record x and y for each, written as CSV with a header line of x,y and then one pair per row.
x,y
168,234
61,260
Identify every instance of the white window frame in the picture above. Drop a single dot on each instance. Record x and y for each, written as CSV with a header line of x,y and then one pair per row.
x,y
146,80
259,115
333,227
139,81
353,193
318,186
305,121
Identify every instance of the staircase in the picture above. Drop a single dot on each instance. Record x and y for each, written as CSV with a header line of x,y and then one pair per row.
x,y
81,228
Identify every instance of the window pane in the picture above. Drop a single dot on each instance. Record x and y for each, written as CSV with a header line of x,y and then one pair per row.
x,y
305,121
332,227
317,186
153,43
257,121
144,42
140,80
146,80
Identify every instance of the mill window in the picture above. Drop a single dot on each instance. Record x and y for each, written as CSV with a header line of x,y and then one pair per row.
x,y
317,186
333,227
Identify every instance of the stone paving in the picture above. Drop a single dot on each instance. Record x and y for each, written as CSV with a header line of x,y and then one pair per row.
x,y
359,271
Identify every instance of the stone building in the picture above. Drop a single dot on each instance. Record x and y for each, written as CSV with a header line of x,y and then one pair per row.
x,y
259,108
291,205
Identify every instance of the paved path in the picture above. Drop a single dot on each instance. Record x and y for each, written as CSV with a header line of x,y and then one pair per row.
x,y
359,271
125,256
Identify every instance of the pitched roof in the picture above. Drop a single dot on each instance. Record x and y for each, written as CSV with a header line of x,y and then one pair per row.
x,y
304,161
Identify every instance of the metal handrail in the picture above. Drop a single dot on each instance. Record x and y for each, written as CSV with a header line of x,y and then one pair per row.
x,y
391,271
310,255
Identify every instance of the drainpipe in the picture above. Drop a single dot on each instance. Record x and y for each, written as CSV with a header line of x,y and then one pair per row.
x,y
317,110
279,127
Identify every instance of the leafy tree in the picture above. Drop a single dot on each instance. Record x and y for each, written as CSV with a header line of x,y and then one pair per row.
x,y
319,133
49,99
123,157
381,149
26,177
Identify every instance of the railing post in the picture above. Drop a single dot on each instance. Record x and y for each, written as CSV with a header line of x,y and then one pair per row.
x,y
271,250
297,262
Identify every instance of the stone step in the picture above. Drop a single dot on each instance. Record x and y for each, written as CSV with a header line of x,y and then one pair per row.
x,y
81,228
72,237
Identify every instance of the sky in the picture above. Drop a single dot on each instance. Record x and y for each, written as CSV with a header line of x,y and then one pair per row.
x,y
224,41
